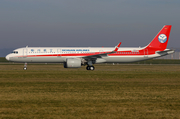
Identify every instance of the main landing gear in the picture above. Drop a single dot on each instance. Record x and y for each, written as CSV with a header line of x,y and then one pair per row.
x,y
25,66
90,67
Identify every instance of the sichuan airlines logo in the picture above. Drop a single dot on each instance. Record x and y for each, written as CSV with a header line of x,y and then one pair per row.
x,y
162,38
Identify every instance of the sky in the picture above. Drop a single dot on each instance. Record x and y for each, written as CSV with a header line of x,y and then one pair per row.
x,y
91,23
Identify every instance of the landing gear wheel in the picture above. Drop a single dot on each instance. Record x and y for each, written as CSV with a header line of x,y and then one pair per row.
x,y
90,68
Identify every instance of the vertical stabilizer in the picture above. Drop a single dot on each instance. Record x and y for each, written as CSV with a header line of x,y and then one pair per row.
x,y
161,39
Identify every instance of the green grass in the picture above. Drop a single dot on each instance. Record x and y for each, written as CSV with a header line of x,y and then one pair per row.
x,y
111,91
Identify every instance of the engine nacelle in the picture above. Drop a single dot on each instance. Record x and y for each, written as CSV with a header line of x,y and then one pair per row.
x,y
72,63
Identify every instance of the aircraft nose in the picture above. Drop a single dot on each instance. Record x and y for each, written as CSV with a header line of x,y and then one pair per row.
x,y
7,57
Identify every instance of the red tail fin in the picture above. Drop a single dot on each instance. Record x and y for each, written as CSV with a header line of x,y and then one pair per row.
x,y
161,39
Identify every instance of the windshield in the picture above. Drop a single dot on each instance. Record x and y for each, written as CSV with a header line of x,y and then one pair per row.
x,y
15,52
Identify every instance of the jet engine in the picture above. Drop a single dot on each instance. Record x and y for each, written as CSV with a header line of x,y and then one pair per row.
x,y
72,63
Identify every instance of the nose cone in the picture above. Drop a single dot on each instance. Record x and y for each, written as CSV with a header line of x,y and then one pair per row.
x,y
7,57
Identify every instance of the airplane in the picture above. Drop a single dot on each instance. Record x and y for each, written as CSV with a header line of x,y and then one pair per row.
x,y
75,57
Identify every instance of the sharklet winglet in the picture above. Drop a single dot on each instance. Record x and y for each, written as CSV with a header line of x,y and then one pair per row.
x,y
117,47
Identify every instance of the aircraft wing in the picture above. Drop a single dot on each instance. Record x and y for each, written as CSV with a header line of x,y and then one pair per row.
x,y
100,55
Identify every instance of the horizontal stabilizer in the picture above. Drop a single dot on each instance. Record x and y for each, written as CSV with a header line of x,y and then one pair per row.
x,y
165,52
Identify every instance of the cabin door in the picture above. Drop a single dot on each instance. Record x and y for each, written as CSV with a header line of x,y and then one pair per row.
x,y
58,52
25,52
145,52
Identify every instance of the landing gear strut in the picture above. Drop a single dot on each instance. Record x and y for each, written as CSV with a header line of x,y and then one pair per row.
x,y
90,68
25,66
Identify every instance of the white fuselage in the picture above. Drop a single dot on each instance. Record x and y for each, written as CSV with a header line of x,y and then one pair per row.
x,y
60,54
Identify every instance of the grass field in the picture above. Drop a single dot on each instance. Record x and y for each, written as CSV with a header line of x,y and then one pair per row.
x,y
109,92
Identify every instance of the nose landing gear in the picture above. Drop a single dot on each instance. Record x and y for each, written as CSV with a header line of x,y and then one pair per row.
x,y
25,66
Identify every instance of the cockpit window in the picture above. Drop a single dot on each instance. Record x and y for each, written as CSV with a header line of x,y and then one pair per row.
x,y
15,52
